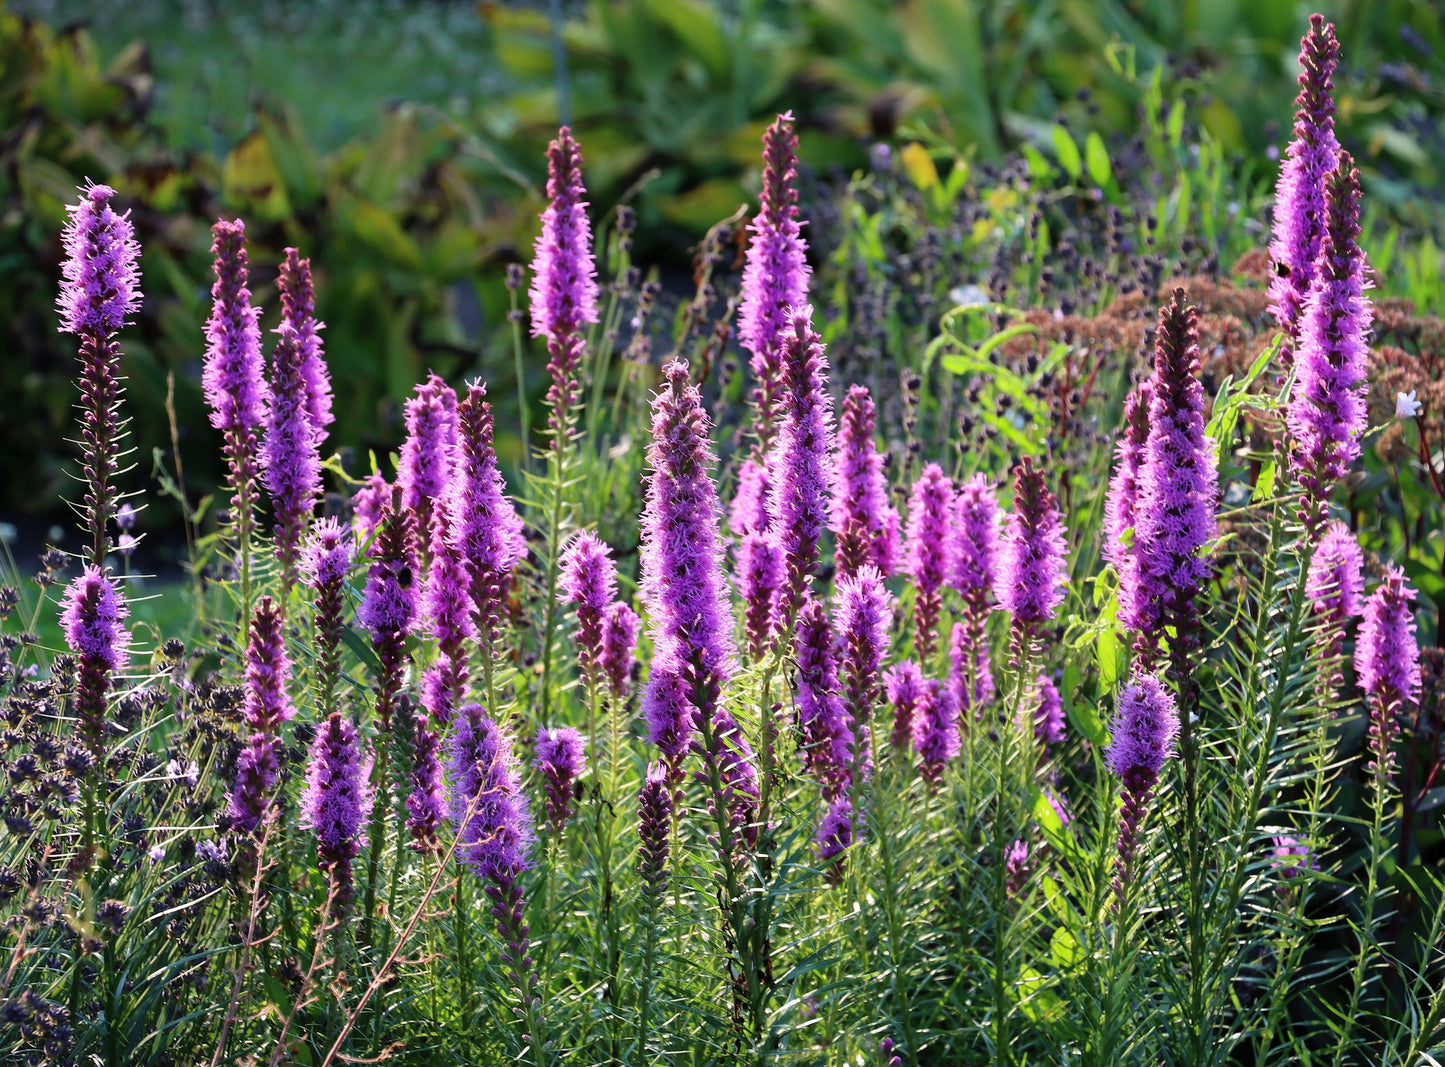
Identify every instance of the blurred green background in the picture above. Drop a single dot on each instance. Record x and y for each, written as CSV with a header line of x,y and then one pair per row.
x,y
400,145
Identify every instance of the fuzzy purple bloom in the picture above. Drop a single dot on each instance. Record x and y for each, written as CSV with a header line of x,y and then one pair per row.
x,y
266,704
760,573
429,452
749,507
929,546
298,310
1016,867
93,614
1049,714
561,756
389,602
367,504
1327,411
904,688
1299,202
1178,490
864,617
619,646
425,804
1123,495
654,828
257,770
563,294
232,376
935,731
290,450
974,555
862,519
336,801
588,581
668,712
447,605
825,726
488,808
682,580
970,671
325,564
798,497
101,272
1145,726
1032,555
1387,657
489,532
775,273
1335,585
1290,856
834,837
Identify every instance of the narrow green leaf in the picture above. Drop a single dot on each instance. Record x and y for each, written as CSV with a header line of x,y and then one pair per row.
x,y
1068,153
1097,158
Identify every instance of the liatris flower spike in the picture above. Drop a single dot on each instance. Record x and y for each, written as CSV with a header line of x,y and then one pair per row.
x,y
560,754
336,802
904,687
1122,498
267,704
935,731
928,560
325,567
1145,727
563,294
489,532
1031,574
775,273
834,838
448,610
298,310
388,605
1299,203
825,725
619,646
654,827
290,453
429,452
861,518
99,290
1335,586
1387,661
93,614
864,616
1327,412
588,582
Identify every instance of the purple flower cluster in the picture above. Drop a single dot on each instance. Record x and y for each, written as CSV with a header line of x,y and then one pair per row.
x,y
290,449
488,808
429,452
1327,412
564,275
970,676
447,605
928,560
825,726
588,581
800,465
834,837
862,519
903,685
1334,585
389,602
336,801
863,611
298,310
935,731
93,613
561,755
1122,498
425,802
367,504
619,646
654,828
1387,656
1049,714
232,376
1030,573
266,705
325,565
775,273
489,533
101,276
1299,203
1145,726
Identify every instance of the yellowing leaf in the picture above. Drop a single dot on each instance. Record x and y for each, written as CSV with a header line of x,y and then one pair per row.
x,y
919,165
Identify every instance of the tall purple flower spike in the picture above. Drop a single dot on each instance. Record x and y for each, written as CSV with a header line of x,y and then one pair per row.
x,y
561,756
935,731
619,647
367,503
654,829
1327,412
588,581
825,726
834,837
266,705
563,294
929,554
970,676
798,500
100,288
759,571
775,273
904,688
336,801
682,580
429,453
1032,555
389,601
1299,202
863,610
1387,661
93,613
290,450
425,804
1145,726
326,563
232,377
1335,587
489,532
975,566
1178,490
861,518
298,310
1048,714
447,607
1122,498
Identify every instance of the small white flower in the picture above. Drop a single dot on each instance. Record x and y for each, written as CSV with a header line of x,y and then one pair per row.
x,y
1406,406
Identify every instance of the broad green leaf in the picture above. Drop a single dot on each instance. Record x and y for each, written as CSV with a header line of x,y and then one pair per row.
x,y
1264,488
1068,153
1097,158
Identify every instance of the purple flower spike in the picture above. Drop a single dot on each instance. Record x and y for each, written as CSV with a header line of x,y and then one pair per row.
x,y
424,804
825,725
1016,867
682,581
667,708
975,543
654,828
864,617
1145,727
749,507
775,274
929,560
619,646
93,614
760,570
970,672
298,310
834,837
325,565
1049,715
1335,587
388,605
1299,202
101,275
494,827
447,605
1177,493
1327,411
1122,499
232,377
266,705
430,450
1032,556
563,295
935,732
489,532
904,687
257,770
1290,856
589,583
290,453
367,504
1387,660
562,759
798,501
336,802
864,522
